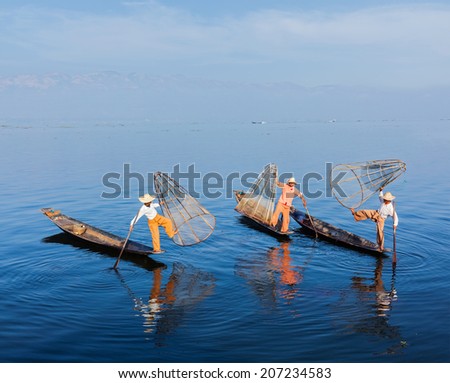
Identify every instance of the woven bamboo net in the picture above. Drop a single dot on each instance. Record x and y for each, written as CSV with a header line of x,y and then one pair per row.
x,y
258,202
193,222
356,182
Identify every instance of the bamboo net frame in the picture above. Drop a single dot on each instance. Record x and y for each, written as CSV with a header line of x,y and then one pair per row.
x,y
193,222
258,203
358,181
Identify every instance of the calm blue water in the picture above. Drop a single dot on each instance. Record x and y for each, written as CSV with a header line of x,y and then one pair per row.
x,y
241,296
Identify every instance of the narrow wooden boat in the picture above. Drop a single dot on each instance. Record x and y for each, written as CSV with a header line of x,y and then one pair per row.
x,y
334,234
146,262
92,234
239,194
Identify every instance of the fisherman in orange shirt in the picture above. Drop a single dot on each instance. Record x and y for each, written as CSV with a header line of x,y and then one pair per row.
x,y
288,193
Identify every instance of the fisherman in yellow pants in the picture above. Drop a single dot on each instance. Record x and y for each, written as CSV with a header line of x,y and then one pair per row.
x,y
154,221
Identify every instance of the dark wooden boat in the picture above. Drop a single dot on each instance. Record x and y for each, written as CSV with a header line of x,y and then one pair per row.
x,y
334,234
238,194
94,235
146,262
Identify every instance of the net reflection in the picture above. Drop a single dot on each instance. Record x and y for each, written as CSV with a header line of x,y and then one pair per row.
x,y
169,302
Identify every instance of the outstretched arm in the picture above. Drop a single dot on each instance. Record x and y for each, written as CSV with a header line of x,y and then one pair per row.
x,y
137,217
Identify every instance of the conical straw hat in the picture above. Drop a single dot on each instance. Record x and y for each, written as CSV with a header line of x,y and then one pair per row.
x,y
388,197
146,198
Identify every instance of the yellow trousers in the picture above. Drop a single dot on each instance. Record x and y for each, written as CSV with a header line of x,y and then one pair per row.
x,y
154,224
374,216
281,209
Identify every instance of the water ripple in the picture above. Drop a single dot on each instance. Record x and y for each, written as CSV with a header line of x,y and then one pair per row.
x,y
242,295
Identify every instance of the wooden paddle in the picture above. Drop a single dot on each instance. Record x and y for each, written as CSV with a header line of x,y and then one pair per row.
x,y
394,255
126,240
312,221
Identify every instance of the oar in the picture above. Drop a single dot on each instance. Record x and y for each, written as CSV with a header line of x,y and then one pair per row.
x,y
394,255
393,292
126,240
311,220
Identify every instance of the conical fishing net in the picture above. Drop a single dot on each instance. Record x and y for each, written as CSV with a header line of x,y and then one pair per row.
x,y
193,222
355,183
258,202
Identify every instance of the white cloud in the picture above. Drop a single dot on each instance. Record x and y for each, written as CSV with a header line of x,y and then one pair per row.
x,y
413,27
316,47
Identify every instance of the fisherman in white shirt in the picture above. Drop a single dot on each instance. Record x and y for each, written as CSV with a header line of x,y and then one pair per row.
x,y
379,216
154,221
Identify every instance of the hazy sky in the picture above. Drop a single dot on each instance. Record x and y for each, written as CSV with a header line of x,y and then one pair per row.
x,y
389,45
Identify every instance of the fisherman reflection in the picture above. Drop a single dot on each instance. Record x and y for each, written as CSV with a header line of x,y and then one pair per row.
x,y
272,277
383,297
376,321
157,299
169,302
290,276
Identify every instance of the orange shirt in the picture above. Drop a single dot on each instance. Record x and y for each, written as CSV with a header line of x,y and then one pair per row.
x,y
287,194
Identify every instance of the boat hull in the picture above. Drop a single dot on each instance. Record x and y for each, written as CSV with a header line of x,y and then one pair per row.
x,y
334,234
92,234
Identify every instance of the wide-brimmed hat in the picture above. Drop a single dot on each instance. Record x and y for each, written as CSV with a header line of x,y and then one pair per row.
x,y
291,181
146,198
388,197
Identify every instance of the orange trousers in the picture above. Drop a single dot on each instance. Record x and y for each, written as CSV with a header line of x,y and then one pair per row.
x,y
361,215
281,209
154,224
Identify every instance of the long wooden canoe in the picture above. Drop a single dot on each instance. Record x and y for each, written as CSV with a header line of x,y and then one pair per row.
x,y
334,234
146,262
238,194
92,234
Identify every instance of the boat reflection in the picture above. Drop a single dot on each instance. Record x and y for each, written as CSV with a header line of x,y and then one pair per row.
x,y
273,277
169,302
142,261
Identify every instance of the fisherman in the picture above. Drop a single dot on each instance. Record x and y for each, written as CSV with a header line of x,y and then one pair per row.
x,y
285,202
154,221
379,216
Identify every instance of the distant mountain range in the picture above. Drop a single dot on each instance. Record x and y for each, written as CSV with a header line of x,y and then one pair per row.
x,y
115,80
178,97
105,79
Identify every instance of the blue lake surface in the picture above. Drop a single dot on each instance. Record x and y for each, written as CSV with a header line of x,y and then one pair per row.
x,y
242,295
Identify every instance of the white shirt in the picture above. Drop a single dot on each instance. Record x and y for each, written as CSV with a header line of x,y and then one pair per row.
x,y
387,210
149,211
